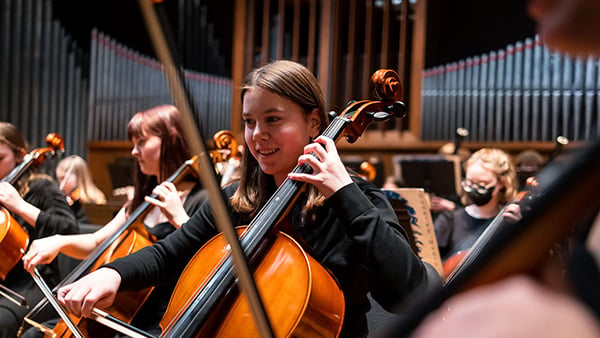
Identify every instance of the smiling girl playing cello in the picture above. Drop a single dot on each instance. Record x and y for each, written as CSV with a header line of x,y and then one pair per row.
x,y
347,223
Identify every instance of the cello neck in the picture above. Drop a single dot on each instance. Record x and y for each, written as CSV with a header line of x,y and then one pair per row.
x,y
54,143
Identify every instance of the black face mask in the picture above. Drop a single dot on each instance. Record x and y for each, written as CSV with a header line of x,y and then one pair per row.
x,y
478,194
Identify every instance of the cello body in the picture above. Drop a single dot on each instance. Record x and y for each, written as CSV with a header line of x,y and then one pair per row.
x,y
129,238
13,239
300,297
126,304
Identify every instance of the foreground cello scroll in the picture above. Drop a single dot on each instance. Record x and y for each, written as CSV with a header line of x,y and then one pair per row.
x,y
202,299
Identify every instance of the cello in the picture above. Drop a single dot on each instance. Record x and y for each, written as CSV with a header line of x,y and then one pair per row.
x,y
13,238
205,303
455,263
130,237
226,155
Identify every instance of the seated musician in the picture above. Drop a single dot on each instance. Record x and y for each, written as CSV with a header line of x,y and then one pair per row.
x,y
489,184
347,223
75,180
159,150
37,204
558,305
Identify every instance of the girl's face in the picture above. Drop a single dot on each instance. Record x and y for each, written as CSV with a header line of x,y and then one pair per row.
x,y
67,181
146,150
276,131
476,173
7,160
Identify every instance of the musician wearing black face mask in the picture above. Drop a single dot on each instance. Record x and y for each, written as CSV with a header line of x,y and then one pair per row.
x,y
490,182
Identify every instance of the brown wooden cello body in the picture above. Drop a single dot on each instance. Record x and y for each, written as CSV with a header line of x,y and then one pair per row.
x,y
129,238
126,303
13,239
300,297
566,195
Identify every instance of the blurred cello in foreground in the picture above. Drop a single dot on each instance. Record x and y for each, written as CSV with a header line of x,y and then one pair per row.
x,y
13,238
566,194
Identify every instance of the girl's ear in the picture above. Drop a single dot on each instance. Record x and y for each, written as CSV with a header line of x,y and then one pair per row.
x,y
314,122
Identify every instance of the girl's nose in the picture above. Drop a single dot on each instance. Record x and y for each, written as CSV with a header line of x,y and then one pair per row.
x,y
260,132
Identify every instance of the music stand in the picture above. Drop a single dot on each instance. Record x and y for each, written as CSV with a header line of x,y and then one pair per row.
x,y
436,174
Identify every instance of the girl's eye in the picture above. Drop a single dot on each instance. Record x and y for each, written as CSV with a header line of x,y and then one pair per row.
x,y
248,122
273,119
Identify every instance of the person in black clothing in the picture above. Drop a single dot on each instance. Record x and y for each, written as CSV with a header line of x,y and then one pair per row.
x,y
348,223
37,204
159,148
490,182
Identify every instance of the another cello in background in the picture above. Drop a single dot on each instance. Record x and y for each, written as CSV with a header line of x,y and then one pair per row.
x,y
13,238
226,156
128,238
37,208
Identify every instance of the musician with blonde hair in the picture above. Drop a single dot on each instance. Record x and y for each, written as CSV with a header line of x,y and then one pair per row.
x,y
75,180
490,183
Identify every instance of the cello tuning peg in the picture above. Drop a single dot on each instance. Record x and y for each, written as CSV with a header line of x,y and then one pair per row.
x,y
331,115
379,116
399,109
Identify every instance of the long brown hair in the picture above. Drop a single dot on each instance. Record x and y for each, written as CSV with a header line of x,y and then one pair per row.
x,y
165,122
12,138
296,83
